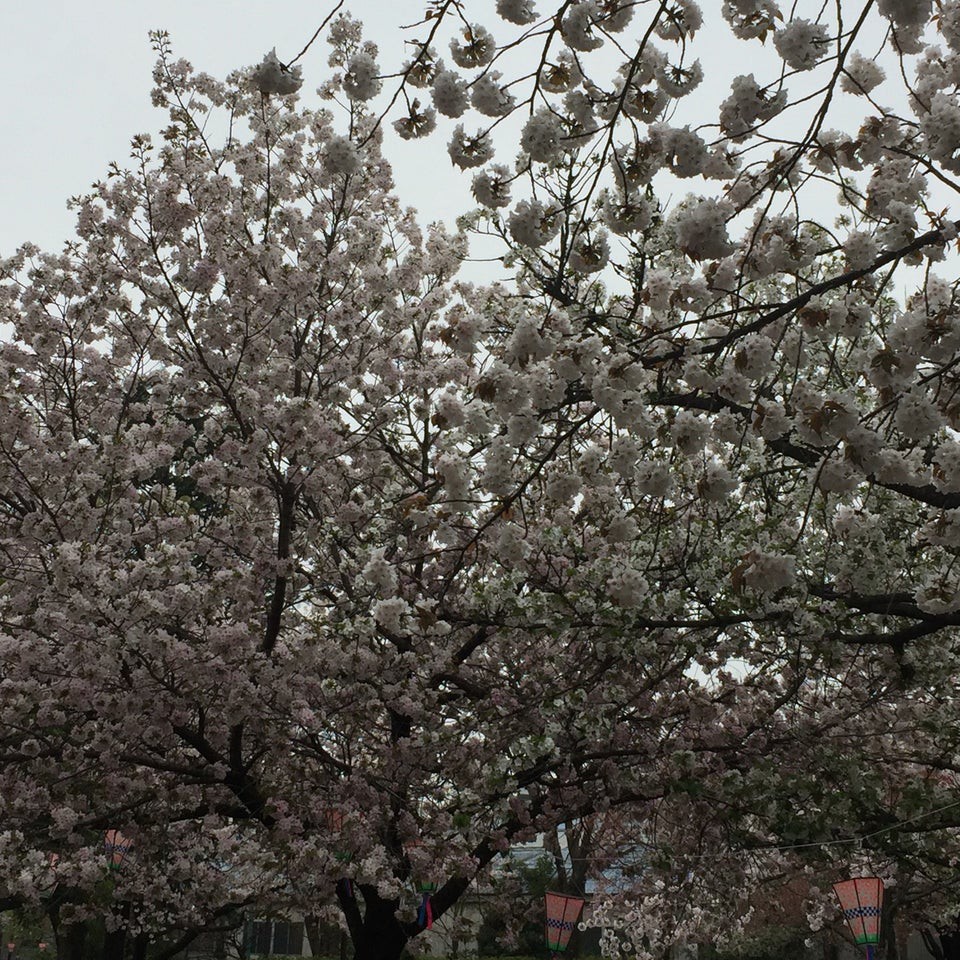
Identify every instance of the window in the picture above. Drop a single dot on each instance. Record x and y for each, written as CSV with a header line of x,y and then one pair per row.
x,y
271,937
288,938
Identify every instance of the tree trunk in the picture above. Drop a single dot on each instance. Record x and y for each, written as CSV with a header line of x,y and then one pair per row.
x,y
379,935
71,941
311,926
115,941
114,944
890,946
140,947
933,943
950,944
380,941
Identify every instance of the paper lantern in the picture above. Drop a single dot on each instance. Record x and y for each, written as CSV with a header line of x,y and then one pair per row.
x,y
861,900
562,915
117,847
334,822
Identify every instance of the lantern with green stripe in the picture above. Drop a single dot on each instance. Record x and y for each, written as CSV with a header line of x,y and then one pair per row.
x,y
562,915
117,847
334,823
861,900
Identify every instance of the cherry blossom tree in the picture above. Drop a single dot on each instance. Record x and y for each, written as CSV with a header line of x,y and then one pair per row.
x,y
753,346
325,574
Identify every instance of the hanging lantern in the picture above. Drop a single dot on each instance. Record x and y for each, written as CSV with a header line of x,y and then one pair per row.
x,y
334,822
861,900
562,915
117,847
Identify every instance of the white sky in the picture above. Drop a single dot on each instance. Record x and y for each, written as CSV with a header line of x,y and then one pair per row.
x,y
76,82
76,77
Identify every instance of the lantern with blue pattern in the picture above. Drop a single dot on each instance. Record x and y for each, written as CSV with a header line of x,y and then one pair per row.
x,y
562,915
117,847
861,900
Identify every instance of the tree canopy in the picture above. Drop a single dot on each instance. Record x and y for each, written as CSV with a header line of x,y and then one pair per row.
x,y
325,572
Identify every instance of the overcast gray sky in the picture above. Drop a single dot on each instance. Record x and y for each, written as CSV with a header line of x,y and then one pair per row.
x,y
76,77
76,83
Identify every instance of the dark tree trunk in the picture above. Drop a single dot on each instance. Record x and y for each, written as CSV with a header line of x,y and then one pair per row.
x,y
115,941
381,937
139,947
71,941
376,932
933,943
311,926
220,947
950,944
889,944
114,944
